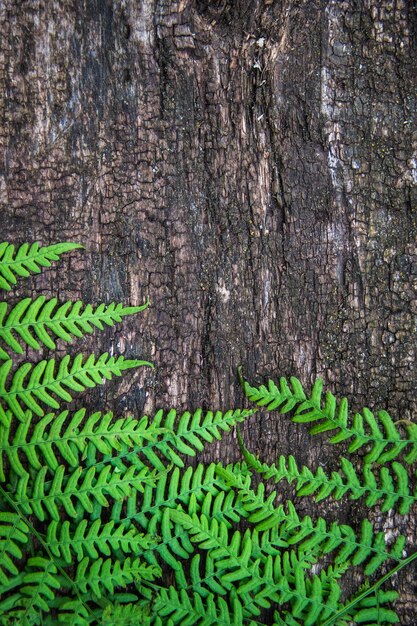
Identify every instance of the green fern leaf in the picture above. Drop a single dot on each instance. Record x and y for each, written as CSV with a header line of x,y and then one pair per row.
x,y
169,437
39,583
280,579
159,511
188,433
202,576
43,380
70,437
28,260
152,517
392,487
371,610
94,538
185,609
13,531
126,615
379,433
197,490
100,575
312,537
29,320
73,612
42,499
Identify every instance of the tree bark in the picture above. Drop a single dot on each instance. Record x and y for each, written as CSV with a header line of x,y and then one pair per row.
x,y
251,165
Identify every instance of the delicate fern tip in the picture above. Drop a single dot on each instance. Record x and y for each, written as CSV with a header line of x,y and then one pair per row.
x,y
131,310
132,363
59,248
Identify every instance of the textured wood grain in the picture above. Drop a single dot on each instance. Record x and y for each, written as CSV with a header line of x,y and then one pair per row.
x,y
250,165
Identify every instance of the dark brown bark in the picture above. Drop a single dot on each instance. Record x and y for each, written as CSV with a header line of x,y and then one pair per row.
x,y
249,164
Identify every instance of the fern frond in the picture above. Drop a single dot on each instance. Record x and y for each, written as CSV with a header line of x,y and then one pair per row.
x,y
69,436
94,538
182,608
72,611
322,599
203,575
198,574
39,583
369,548
126,615
28,260
41,498
280,579
362,597
99,575
171,436
43,380
13,531
29,320
379,432
188,433
370,612
392,487
197,490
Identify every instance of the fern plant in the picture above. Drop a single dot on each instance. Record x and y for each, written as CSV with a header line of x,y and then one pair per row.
x,y
104,520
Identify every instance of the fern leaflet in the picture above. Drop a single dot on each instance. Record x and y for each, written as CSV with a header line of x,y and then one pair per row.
x,y
28,260
100,574
392,487
13,531
197,490
38,585
94,538
381,435
29,320
184,609
187,433
370,611
368,547
72,612
39,497
126,615
43,380
280,579
69,436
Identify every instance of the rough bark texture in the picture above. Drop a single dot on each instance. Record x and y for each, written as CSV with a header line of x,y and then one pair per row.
x,y
250,165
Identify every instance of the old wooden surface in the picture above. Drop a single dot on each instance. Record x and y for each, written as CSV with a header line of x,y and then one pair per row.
x,y
247,164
